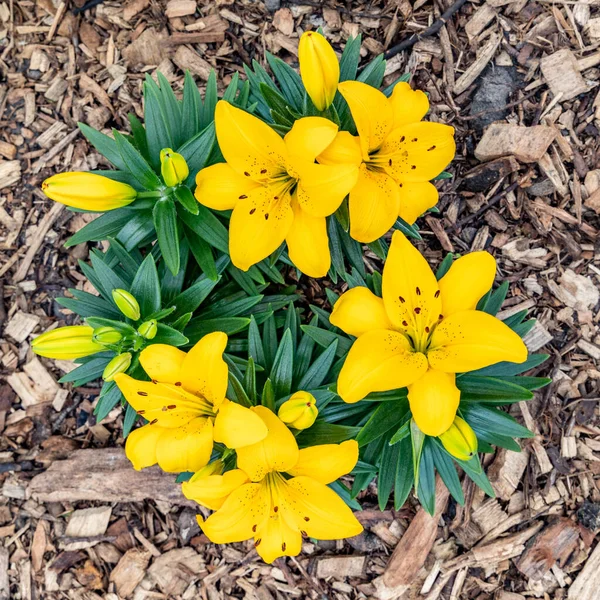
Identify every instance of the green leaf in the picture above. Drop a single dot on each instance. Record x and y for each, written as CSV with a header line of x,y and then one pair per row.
x,y
102,227
318,371
255,345
229,308
490,390
200,327
402,433
283,366
444,266
493,420
304,353
289,81
127,260
165,223
109,398
404,474
185,197
268,396
191,298
104,144
124,328
503,369
202,253
387,473
344,493
417,438
192,104
138,231
495,300
475,472
350,59
208,227
136,164
326,433
129,420
157,129
250,380
210,101
426,484
237,393
168,335
88,305
139,135
445,467
386,416
172,109
373,73
87,372
146,287
196,152
325,338
108,279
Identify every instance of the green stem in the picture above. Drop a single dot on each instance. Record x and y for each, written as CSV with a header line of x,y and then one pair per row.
x,y
152,194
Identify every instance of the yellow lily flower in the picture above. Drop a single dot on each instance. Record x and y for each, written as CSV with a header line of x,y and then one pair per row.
x,y
422,332
300,411
67,343
186,407
396,153
88,191
277,511
319,68
276,190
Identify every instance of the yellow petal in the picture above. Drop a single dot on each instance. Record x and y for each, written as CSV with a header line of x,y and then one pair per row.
x,y
240,516
204,372
220,187
410,289
237,426
318,511
345,149
185,448
470,340
467,281
277,538
88,191
250,146
372,113
409,105
418,151
327,462
162,362
308,137
140,447
161,403
379,361
308,243
460,440
374,205
259,225
415,199
277,452
319,68
322,188
434,400
212,490
359,310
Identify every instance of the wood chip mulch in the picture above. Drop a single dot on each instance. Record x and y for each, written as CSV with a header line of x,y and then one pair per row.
x,y
518,79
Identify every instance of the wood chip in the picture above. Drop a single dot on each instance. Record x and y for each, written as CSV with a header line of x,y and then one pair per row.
x,y
21,325
180,8
587,583
173,571
561,72
88,522
10,173
130,571
506,471
340,566
527,144
186,58
485,55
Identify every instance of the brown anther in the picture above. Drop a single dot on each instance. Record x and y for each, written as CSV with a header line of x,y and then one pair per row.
x,y
257,542
254,528
246,174
263,171
178,383
401,299
154,421
417,311
252,211
172,406
390,162
275,508
437,294
405,323
266,216
243,197
426,329
142,393
283,547
430,149
402,139
418,292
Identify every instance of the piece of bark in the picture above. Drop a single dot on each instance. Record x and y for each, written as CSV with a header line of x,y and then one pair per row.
x,y
104,475
134,7
21,325
180,8
587,584
479,20
485,55
146,49
186,58
199,37
552,545
130,570
561,72
39,544
173,571
10,173
412,550
527,144
4,581
506,471
89,522
340,566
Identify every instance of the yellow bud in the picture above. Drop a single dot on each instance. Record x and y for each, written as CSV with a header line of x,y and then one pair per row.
x,y
319,68
148,329
119,364
460,440
300,411
173,168
214,468
88,191
66,343
126,303
107,336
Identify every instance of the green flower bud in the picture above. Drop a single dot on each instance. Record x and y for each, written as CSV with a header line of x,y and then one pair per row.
x,y
119,364
173,168
148,329
127,304
107,336
460,440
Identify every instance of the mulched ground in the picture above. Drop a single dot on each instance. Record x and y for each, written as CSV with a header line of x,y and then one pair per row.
x,y
530,196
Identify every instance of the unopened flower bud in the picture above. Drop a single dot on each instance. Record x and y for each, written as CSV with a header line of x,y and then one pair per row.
x,y
107,336
319,68
66,343
119,364
173,168
460,440
88,191
148,329
300,411
127,304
